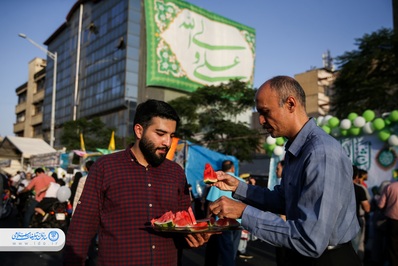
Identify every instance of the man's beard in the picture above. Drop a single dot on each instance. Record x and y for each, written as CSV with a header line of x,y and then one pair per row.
x,y
148,149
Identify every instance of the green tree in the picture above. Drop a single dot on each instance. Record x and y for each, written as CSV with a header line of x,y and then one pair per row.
x,y
368,77
95,134
209,118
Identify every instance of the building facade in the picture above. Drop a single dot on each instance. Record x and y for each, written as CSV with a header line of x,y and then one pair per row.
x,y
103,60
318,87
29,110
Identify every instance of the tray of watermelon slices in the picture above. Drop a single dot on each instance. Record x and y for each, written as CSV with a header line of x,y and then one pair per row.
x,y
184,222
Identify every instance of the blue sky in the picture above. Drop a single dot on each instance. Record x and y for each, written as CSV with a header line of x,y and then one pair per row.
x,y
291,35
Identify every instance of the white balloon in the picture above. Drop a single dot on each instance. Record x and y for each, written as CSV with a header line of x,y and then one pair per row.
x,y
278,150
270,140
345,124
368,128
393,140
319,120
63,194
326,120
359,121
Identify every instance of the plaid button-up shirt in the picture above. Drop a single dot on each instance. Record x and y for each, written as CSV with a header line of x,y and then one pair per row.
x,y
119,199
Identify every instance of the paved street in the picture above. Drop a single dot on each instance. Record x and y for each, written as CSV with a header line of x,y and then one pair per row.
x,y
262,252
263,255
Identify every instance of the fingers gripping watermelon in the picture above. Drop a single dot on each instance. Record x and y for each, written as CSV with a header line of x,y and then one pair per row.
x,y
209,176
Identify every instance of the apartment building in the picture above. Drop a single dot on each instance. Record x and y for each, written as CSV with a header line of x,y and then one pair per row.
x,y
318,87
29,109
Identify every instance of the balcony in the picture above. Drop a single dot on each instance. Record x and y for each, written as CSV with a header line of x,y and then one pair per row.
x,y
20,107
18,127
37,119
38,97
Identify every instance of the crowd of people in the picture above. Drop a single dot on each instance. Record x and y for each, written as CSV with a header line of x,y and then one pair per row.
x,y
318,214
37,198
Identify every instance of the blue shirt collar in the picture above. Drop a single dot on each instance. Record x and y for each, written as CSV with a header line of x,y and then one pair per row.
x,y
294,147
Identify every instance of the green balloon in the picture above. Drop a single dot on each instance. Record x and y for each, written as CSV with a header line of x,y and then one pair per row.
x,y
344,132
265,146
354,131
384,135
271,147
352,116
369,115
333,122
393,116
326,129
280,141
378,124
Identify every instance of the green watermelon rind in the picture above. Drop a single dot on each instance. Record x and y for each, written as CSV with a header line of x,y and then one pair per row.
x,y
166,224
210,180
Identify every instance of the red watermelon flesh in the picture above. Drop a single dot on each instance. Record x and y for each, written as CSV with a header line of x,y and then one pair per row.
x,y
166,220
227,222
199,226
179,219
209,176
182,219
209,221
191,215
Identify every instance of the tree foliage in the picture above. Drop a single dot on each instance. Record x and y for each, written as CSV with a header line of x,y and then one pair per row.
x,y
209,118
368,77
95,134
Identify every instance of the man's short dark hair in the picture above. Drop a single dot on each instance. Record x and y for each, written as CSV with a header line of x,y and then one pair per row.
x,y
154,108
354,172
89,164
39,170
226,165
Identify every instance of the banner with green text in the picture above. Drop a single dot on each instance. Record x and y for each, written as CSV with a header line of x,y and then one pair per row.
x,y
189,47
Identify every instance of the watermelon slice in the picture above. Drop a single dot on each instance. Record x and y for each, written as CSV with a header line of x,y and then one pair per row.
x,y
227,222
209,221
199,227
191,215
182,219
209,176
166,220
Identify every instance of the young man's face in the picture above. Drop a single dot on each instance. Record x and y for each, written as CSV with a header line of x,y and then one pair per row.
x,y
156,140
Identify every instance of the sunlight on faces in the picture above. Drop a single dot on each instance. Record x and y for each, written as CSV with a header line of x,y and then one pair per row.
x,y
156,140
271,115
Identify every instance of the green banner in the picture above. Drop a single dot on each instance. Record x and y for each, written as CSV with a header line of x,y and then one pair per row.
x,y
189,47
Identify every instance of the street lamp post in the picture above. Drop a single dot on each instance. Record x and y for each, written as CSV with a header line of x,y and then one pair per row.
x,y
53,56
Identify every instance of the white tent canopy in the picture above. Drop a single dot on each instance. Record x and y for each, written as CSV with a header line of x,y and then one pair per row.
x,y
16,147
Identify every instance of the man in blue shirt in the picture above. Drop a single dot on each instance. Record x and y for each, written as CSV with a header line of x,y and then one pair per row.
x,y
316,193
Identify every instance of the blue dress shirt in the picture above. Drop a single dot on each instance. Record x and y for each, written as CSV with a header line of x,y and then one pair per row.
x,y
316,195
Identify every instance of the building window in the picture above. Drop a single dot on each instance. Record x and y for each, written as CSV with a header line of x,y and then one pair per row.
x,y
40,85
21,117
38,108
37,131
22,98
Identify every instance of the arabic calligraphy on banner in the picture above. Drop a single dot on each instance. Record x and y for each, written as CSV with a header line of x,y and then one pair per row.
x,y
189,47
370,153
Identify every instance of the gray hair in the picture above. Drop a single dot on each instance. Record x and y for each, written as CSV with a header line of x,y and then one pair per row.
x,y
286,86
